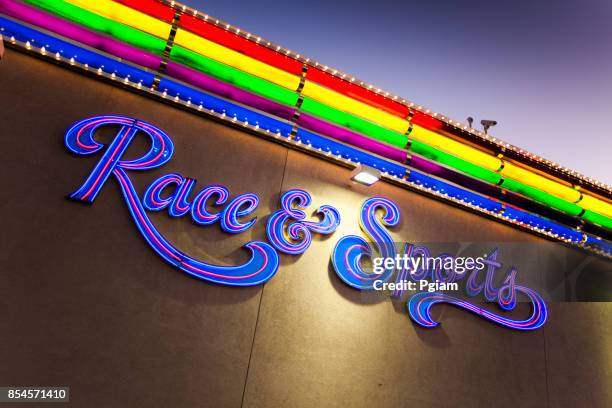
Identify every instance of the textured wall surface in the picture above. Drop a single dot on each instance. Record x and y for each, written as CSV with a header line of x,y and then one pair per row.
x,y
86,303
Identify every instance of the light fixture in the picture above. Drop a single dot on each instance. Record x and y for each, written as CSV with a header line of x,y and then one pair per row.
x,y
486,124
365,175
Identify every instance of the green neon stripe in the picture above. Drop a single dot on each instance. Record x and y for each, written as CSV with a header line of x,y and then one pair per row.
x,y
233,76
597,219
95,22
542,197
353,122
454,162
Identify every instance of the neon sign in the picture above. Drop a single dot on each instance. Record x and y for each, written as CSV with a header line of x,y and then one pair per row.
x,y
287,230
350,250
264,260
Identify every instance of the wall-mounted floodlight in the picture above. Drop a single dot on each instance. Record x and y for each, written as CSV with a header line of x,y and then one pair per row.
x,y
365,175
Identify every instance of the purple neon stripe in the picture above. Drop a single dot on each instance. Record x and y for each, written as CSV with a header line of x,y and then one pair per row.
x,y
75,32
339,133
218,87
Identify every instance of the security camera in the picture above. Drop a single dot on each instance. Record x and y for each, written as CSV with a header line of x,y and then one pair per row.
x,y
486,124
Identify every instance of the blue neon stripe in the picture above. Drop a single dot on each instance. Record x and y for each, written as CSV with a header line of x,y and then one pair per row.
x,y
599,243
454,191
347,152
219,105
540,222
67,50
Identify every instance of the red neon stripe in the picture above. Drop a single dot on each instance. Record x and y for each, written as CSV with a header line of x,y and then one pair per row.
x,y
240,44
357,92
151,7
428,122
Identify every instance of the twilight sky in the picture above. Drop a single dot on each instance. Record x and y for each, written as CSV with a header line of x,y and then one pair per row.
x,y
542,69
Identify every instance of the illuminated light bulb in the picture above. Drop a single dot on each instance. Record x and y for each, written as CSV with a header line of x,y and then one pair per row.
x,y
113,76
28,45
13,39
43,51
57,56
72,61
86,66
99,71
139,85
164,94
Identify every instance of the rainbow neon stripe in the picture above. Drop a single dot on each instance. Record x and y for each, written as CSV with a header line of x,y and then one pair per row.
x,y
304,103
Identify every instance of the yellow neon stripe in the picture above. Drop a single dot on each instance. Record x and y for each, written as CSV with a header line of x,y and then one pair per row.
x,y
595,205
350,105
122,14
235,59
458,149
540,182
